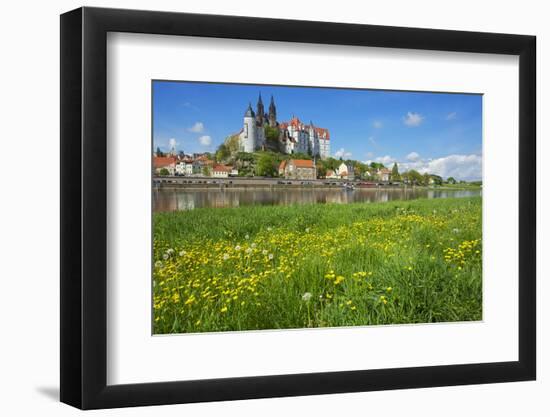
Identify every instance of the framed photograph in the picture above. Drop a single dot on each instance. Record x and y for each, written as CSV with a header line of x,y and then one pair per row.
x,y
256,208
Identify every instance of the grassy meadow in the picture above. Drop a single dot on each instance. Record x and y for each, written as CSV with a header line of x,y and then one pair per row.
x,y
281,267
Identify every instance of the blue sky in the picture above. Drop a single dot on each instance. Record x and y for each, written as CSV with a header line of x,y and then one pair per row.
x,y
431,132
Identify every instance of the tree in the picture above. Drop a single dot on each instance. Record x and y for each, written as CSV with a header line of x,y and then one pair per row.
x,y
159,152
300,155
451,180
426,179
414,177
376,165
265,167
395,173
206,170
321,170
164,172
271,134
222,153
232,144
437,180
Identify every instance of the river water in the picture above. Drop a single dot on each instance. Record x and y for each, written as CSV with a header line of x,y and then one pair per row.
x,y
189,198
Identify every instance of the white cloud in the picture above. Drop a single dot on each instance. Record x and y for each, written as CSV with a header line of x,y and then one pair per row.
x,y
386,160
413,119
413,156
172,143
461,167
377,124
451,116
342,153
372,141
205,140
198,127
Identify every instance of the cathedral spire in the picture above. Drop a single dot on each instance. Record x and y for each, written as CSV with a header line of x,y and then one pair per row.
x,y
260,112
272,113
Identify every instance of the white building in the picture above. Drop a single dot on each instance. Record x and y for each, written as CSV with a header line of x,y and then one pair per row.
x,y
221,171
345,171
294,136
297,137
383,174
188,168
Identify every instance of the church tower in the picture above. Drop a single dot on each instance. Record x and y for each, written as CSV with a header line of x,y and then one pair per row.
x,y
260,112
272,113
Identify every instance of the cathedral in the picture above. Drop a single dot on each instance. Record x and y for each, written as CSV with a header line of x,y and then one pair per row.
x,y
294,136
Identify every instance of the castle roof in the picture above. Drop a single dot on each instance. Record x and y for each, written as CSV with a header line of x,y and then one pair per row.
x,y
249,112
295,122
322,132
298,124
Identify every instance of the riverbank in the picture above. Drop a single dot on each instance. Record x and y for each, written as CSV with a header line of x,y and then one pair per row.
x,y
277,267
173,182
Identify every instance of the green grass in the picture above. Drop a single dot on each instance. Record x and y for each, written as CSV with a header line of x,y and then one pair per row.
x,y
277,267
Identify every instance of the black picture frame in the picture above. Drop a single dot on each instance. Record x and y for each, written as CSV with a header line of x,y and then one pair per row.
x,y
84,207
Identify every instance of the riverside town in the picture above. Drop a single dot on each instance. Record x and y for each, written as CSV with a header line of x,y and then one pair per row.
x,y
270,152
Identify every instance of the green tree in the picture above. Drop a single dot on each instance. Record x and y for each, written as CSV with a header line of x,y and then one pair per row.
x,y
451,180
232,144
437,180
206,171
222,153
300,155
321,170
426,179
265,167
164,172
271,134
414,177
395,173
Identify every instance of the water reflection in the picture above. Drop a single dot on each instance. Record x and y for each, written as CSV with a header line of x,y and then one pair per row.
x,y
189,199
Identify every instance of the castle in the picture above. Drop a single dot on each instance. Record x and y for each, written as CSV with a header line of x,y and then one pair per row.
x,y
294,136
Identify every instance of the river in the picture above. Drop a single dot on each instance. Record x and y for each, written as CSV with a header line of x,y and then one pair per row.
x,y
189,198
